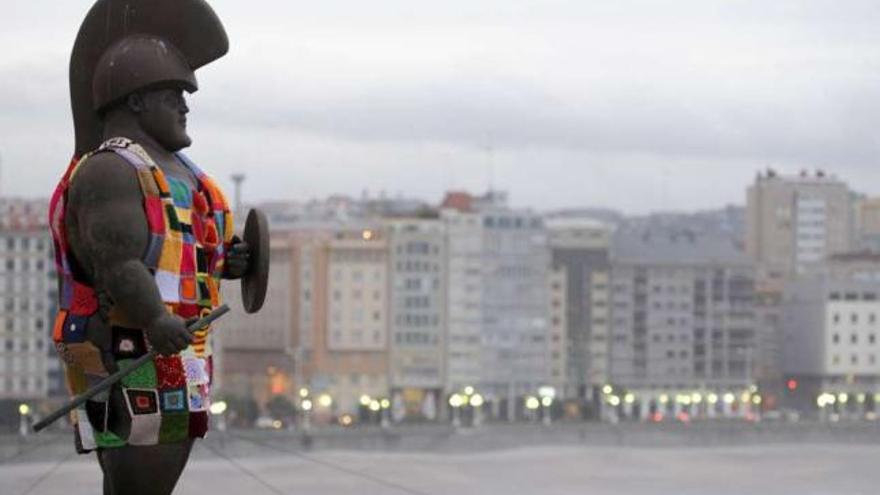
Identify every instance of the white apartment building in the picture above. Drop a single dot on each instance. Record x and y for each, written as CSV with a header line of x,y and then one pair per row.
x,y
417,346
499,329
831,329
29,368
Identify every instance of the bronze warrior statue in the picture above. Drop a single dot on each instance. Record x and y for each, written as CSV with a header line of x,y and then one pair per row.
x,y
143,238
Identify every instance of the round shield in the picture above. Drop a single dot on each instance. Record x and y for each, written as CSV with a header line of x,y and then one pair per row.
x,y
256,280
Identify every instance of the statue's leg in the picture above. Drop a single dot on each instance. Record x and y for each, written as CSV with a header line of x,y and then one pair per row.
x,y
150,470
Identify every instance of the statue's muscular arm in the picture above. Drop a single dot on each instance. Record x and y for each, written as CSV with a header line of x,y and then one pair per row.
x,y
109,235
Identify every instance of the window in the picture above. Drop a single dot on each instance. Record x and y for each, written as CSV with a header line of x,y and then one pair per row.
x,y
854,339
835,338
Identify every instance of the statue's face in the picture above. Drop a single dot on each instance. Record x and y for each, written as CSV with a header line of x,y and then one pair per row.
x,y
163,117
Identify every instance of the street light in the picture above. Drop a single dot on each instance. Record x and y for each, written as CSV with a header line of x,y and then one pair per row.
x,y
325,400
217,409
24,411
456,401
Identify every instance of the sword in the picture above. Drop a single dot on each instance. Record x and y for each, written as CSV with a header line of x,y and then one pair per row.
x,y
111,380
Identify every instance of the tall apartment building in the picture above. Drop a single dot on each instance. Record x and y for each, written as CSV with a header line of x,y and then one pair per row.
x,y
29,367
795,222
499,268
343,303
831,328
464,279
417,346
683,315
580,250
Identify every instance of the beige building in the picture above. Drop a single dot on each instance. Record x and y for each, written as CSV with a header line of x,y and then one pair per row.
x,y
557,346
795,222
342,333
867,224
580,249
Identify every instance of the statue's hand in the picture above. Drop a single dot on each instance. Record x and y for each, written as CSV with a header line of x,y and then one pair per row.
x,y
168,334
237,259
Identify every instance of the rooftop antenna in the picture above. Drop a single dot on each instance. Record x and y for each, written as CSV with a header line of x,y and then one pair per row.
x,y
238,179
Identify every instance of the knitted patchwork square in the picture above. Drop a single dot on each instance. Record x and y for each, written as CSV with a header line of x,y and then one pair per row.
x,y
180,192
85,356
142,402
188,260
128,343
171,213
188,292
145,430
171,252
198,424
155,210
198,398
170,373
174,428
143,377
173,401
106,439
154,251
196,371
74,329
184,215
77,382
148,185
169,285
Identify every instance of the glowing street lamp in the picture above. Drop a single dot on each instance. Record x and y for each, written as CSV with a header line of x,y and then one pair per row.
x,y
456,401
325,401
532,403
24,411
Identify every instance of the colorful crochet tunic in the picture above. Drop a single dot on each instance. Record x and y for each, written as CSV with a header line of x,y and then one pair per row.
x,y
166,400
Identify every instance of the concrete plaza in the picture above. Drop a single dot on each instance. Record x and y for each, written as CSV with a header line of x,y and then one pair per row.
x,y
234,466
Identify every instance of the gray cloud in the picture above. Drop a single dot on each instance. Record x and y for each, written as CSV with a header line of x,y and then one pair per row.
x,y
602,101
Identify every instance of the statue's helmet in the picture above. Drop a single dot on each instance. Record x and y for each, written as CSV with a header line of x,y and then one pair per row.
x,y
129,45
137,63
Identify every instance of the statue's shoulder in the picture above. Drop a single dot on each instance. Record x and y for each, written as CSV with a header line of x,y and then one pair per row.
x,y
109,171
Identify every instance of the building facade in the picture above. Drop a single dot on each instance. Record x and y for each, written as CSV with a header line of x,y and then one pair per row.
x,y
499,268
581,250
343,327
832,355
795,222
29,366
683,324
418,295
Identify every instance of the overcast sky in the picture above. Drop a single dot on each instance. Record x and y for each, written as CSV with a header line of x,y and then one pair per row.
x,y
634,105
